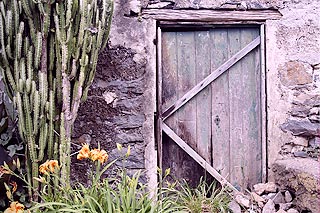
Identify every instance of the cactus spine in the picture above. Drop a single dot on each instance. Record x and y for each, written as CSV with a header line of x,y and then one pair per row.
x,y
48,56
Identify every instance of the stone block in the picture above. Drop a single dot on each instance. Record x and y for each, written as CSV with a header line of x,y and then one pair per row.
x,y
285,206
301,141
269,207
300,154
265,187
234,207
243,201
300,111
295,73
129,137
301,127
315,142
314,118
292,211
287,196
278,198
301,175
257,198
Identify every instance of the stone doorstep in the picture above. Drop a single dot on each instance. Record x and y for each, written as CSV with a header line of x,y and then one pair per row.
x,y
301,176
295,189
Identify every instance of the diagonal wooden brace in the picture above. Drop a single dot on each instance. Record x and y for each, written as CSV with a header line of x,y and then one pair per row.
x,y
198,158
214,75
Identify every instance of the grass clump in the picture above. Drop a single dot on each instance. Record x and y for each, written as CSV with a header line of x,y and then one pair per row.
x,y
120,194
204,198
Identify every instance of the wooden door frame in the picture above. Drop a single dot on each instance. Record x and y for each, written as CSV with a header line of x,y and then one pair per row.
x,y
160,126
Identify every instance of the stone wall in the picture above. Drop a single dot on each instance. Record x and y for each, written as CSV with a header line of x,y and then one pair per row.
x,y
121,102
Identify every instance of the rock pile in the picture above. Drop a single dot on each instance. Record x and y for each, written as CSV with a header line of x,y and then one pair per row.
x,y
304,125
265,198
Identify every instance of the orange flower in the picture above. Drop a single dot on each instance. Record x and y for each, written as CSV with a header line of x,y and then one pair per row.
x,y
48,166
14,186
100,155
103,156
52,165
15,207
94,154
84,152
43,168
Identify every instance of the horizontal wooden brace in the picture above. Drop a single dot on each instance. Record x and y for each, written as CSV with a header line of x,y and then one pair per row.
x,y
214,75
210,15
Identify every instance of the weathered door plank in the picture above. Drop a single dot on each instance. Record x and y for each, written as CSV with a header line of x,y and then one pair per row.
x,y
237,174
169,95
255,162
203,99
220,103
250,106
205,82
159,139
187,114
263,105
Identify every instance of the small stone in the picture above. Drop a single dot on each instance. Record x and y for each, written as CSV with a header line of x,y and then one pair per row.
x,y
271,187
278,198
285,206
300,154
257,198
281,211
260,204
292,211
109,97
135,6
286,148
265,187
315,142
296,148
314,111
287,196
269,196
243,201
159,5
269,207
314,118
313,101
234,207
300,141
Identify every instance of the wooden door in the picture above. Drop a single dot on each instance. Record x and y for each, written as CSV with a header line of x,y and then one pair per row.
x,y
210,101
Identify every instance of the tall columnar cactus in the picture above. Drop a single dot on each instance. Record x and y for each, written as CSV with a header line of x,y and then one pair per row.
x,y
48,57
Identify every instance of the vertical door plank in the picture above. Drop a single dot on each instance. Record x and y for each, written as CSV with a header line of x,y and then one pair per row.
x,y
249,106
237,142
203,99
169,73
186,80
159,99
263,104
220,103
187,114
169,65
252,70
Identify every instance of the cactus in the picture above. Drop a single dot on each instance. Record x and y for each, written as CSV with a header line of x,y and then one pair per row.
x,y
48,56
